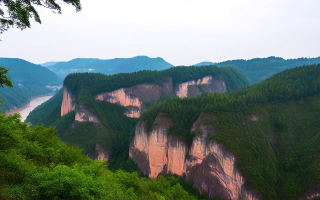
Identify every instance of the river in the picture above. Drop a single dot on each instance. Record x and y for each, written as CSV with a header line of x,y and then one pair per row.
x,y
26,109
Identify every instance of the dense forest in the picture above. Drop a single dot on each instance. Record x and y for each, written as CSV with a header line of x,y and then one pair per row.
x,y
35,164
112,66
115,130
279,153
29,80
258,69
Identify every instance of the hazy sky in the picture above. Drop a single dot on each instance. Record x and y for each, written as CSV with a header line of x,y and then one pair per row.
x,y
183,32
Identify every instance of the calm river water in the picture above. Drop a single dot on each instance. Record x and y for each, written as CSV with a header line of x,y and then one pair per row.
x,y
26,109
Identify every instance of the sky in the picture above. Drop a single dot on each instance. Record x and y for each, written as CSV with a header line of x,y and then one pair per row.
x,y
183,32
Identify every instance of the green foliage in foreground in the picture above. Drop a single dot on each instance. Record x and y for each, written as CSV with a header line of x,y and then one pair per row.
x,y
35,164
279,155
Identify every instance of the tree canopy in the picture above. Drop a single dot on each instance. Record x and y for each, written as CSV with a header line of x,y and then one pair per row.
x,y
4,80
19,13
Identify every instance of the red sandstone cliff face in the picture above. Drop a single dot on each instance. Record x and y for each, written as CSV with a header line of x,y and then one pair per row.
x,y
135,98
67,104
82,115
205,163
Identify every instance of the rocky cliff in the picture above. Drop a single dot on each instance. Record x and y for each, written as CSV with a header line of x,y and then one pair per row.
x,y
204,85
137,97
67,104
84,115
204,162
101,153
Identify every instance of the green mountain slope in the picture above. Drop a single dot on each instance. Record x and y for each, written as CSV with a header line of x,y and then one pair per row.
x,y
258,69
29,80
115,129
272,128
35,164
113,66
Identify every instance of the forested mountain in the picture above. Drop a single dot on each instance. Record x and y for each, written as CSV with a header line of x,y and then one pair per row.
x,y
258,69
263,141
29,80
112,66
103,127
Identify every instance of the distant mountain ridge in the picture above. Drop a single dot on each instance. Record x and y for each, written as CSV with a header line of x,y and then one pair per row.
x,y
47,64
29,80
259,69
112,66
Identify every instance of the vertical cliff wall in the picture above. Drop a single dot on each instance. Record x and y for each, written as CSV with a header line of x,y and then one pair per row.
x,y
205,163
67,104
135,98
122,98
100,153
84,115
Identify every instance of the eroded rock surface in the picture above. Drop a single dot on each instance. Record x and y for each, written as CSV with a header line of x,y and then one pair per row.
x,y
67,104
132,98
205,163
100,153
84,115
136,98
204,85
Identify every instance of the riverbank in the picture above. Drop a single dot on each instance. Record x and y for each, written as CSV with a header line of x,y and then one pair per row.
x,y
26,109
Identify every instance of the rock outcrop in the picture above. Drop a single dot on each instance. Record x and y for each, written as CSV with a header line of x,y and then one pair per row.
x,y
312,196
100,153
67,104
312,193
204,163
204,85
134,98
137,97
84,115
